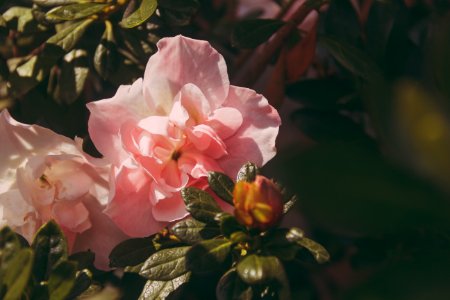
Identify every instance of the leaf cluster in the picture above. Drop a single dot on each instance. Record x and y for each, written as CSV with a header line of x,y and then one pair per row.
x,y
212,241
42,270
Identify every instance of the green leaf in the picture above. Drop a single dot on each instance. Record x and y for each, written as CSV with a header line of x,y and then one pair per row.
x,y
68,37
105,57
321,254
192,231
46,3
230,286
247,172
9,245
252,33
351,58
178,12
166,264
73,74
200,204
17,274
23,16
50,247
288,205
229,224
254,269
276,243
62,280
85,259
156,290
131,252
82,282
74,11
145,11
209,255
222,185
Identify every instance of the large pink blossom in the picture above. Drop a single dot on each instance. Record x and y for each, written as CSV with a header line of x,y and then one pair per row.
x,y
45,176
169,129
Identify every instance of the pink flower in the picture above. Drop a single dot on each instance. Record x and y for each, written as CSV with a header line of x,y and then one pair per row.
x,y
169,129
45,176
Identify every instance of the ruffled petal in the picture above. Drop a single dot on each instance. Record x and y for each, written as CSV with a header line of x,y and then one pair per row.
x,y
179,61
170,209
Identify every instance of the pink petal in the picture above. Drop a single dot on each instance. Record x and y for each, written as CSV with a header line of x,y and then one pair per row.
x,y
179,61
255,139
130,207
72,215
170,209
205,139
225,121
191,103
101,238
107,117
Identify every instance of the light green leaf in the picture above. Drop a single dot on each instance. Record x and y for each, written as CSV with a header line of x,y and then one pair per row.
x,y
157,290
74,11
17,274
145,11
68,37
166,264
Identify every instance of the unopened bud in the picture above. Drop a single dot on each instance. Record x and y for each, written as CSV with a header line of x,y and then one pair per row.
x,y
258,204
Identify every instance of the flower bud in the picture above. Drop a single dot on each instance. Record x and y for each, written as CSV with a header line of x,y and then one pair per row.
x,y
258,204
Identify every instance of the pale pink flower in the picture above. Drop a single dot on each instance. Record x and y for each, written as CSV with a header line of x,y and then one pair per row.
x,y
167,130
45,176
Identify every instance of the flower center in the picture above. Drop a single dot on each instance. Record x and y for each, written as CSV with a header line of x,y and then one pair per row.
x,y
176,155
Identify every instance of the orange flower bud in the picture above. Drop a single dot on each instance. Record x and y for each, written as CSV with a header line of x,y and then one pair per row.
x,y
258,204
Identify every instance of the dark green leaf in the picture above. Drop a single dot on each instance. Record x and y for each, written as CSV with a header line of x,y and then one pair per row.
x,y
248,172
178,12
131,252
318,251
275,243
50,249
351,58
166,264
156,290
61,280
17,274
230,286
84,260
222,185
105,58
74,11
191,231
229,224
82,282
209,255
145,11
252,33
200,204
9,245
73,74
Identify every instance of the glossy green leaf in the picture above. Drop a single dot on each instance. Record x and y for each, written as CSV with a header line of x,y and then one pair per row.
x,y
74,11
209,255
9,245
17,274
252,33
166,264
50,247
230,286
105,57
318,251
222,185
200,204
82,283
247,172
131,252
275,243
50,3
192,231
288,205
351,58
156,290
145,11
62,280
229,224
